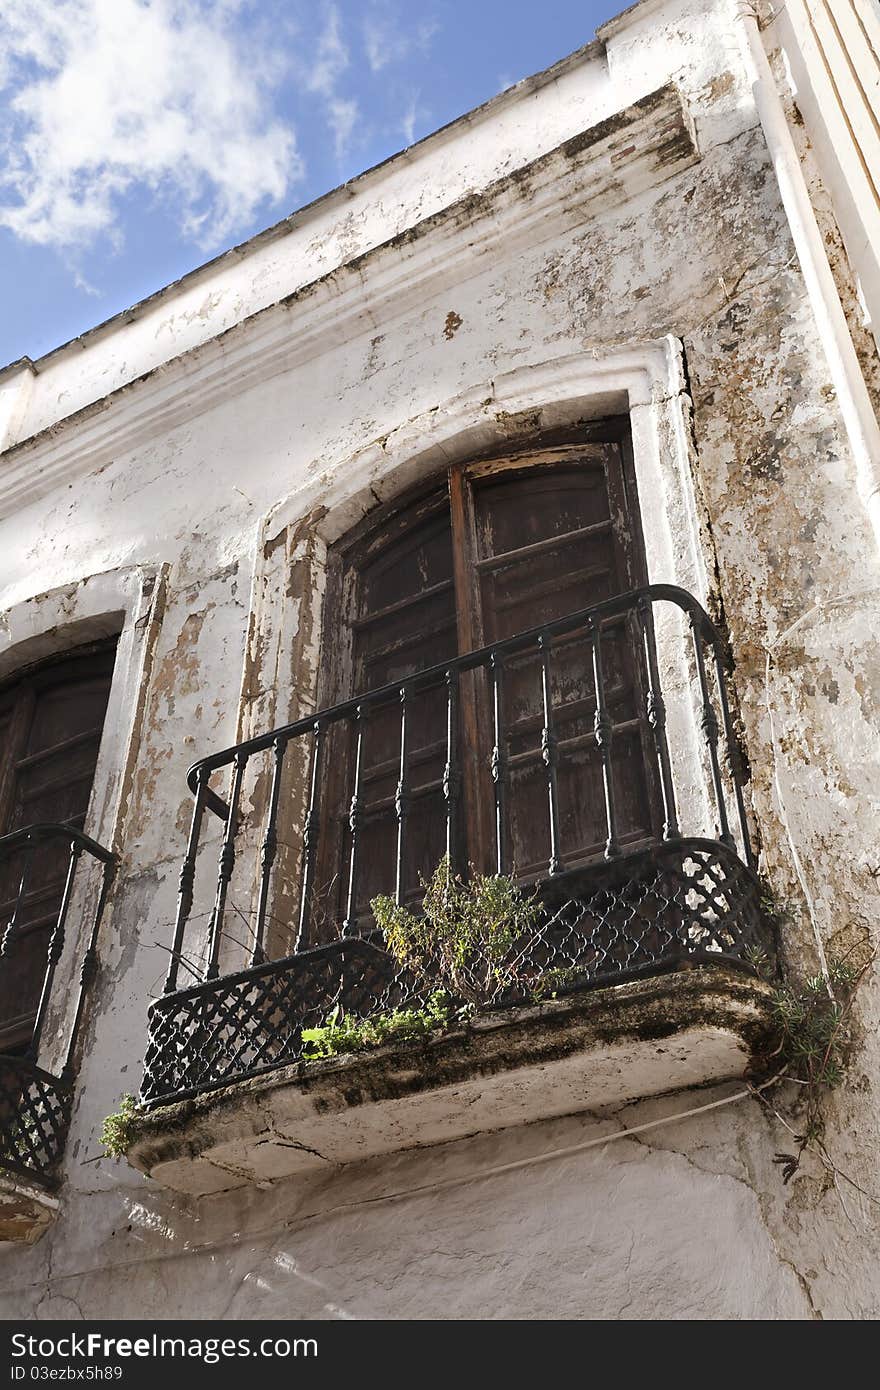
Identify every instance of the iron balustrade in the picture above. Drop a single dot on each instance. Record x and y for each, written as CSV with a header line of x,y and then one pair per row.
x,y
635,907
35,1103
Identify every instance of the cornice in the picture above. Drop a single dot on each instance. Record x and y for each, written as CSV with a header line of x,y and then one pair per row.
x,y
603,167
335,198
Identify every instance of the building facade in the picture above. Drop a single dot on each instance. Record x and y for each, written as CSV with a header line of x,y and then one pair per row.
x,y
518,501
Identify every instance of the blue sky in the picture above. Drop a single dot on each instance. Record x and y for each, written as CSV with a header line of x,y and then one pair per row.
x,y
138,138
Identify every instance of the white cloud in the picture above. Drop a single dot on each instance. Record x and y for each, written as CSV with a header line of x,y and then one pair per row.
x,y
107,95
385,40
83,284
342,115
321,74
331,56
412,115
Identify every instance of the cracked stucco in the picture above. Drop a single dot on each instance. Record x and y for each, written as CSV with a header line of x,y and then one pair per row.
x,y
693,1222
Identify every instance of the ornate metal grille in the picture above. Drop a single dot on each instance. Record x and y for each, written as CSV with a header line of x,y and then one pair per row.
x,y
644,914
35,1110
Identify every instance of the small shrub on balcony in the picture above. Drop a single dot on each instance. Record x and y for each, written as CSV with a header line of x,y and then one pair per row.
x,y
464,939
117,1130
813,1023
23,1138
338,1034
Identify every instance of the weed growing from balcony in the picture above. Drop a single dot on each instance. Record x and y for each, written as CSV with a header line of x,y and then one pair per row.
x,y
464,939
23,1138
465,935
813,1039
338,1034
118,1130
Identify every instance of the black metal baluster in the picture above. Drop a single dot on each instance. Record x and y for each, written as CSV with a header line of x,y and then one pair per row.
x,y
186,882
56,946
22,884
451,773
733,759
269,849
310,836
548,755
499,758
401,802
354,821
226,866
656,711
709,725
88,969
604,733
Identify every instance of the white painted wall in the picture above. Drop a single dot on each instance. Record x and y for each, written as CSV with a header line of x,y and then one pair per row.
x,y
354,385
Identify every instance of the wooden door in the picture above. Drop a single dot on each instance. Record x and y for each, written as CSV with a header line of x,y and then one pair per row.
x,y
548,535
50,729
394,584
505,545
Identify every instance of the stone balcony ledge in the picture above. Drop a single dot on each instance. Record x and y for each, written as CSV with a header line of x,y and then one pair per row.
x,y
589,1051
27,1210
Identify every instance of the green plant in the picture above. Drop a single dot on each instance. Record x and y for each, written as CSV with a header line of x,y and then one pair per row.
x,y
812,1042
777,912
465,936
117,1130
813,1023
759,960
558,978
339,1034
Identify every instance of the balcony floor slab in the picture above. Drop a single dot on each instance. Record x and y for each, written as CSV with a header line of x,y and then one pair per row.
x,y
586,1052
26,1210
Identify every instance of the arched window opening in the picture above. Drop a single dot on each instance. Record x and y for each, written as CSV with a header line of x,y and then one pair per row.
x,y
502,546
51,720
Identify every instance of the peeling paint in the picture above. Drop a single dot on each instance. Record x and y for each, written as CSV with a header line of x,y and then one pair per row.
x,y
233,491
452,325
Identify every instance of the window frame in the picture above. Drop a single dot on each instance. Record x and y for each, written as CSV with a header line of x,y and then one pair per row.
x,y
455,488
20,691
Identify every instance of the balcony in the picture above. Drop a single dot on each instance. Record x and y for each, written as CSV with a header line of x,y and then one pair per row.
x,y
49,874
635,978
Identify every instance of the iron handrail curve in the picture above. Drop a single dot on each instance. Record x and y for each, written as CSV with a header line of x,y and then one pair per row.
x,y
45,830
77,844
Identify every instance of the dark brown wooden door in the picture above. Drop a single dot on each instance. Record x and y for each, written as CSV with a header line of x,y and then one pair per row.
x,y
396,588
503,546
50,729
549,535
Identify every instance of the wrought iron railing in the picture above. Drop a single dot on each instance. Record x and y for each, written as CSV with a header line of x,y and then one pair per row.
x,y
685,888
35,1103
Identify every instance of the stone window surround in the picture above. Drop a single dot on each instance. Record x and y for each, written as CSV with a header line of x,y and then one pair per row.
x,y
645,380
126,603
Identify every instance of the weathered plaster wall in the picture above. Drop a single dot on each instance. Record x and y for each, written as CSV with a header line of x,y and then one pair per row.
x,y
621,1230
690,1220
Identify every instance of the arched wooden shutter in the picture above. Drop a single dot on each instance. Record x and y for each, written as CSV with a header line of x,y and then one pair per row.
x,y
51,719
505,545
545,536
395,587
